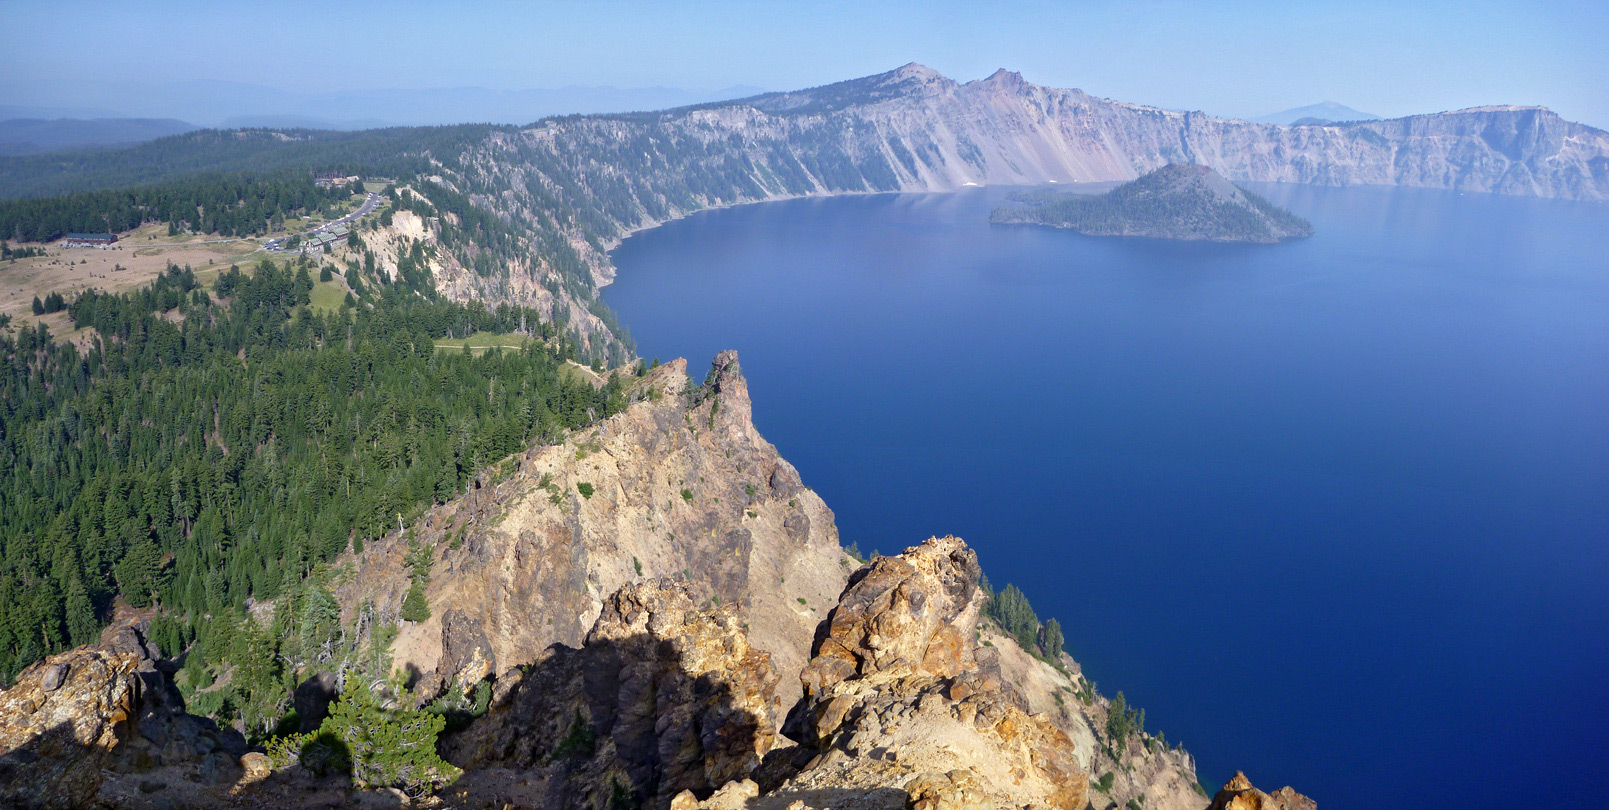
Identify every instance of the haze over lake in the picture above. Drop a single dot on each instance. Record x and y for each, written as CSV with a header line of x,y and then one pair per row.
x,y
1333,512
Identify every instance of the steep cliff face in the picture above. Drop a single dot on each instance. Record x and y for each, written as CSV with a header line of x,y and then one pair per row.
x,y
587,182
896,660
680,485
1141,769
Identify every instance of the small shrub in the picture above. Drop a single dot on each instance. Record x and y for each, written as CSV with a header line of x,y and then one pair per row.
x,y
585,489
382,748
1104,784
579,741
687,495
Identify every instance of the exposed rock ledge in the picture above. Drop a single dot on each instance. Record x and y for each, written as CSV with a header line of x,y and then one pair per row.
x,y
102,725
1238,794
667,705
682,485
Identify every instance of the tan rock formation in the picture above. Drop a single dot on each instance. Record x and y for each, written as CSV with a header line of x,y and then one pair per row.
x,y
102,725
664,697
61,725
1238,794
682,486
899,708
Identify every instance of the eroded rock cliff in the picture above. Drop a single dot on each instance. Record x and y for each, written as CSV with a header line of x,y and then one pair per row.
x,y
898,696
667,705
587,182
680,485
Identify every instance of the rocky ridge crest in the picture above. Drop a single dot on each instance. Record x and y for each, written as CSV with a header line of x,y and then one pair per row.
x,y
666,705
681,485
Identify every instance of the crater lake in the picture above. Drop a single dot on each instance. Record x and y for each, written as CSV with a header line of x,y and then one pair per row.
x,y
1334,512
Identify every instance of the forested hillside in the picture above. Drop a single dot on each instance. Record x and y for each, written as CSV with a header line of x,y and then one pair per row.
x,y
215,445
401,151
226,205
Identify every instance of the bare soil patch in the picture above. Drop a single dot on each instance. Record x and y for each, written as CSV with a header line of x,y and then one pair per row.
x,y
134,261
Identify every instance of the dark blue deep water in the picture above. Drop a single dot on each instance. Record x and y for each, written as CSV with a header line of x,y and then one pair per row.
x,y
1333,512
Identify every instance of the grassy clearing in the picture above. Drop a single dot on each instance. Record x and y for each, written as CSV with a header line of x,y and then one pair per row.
x,y
481,341
327,296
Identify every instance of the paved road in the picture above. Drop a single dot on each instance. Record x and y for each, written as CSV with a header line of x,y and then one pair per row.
x,y
371,202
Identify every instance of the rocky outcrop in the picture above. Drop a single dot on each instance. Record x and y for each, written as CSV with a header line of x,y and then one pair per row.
x,y
61,724
666,705
1238,794
679,485
900,709
664,697
94,724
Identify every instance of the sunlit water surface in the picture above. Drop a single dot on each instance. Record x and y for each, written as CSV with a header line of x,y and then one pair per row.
x,y
1333,512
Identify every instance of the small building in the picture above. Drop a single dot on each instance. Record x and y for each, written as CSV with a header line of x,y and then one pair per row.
x,y
89,240
327,179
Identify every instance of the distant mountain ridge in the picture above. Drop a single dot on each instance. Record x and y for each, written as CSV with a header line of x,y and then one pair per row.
x,y
572,187
1325,111
218,103
29,136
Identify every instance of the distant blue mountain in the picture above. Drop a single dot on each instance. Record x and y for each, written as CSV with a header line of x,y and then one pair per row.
x,y
1324,111
227,104
32,136
300,122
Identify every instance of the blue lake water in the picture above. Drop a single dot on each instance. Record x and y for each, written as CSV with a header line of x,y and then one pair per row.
x,y
1333,512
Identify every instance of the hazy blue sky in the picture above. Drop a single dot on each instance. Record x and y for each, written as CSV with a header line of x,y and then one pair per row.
x,y
1389,58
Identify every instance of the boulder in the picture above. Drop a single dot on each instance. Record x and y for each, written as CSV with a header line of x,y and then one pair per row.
x,y
899,711
1239,794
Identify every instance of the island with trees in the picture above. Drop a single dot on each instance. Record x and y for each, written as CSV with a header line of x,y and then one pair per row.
x,y
1177,201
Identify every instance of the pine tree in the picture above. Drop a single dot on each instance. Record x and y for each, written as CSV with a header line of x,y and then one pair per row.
x,y
1050,639
415,608
81,625
388,748
138,575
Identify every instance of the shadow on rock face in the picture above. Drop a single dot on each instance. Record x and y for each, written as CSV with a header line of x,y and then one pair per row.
x,y
664,696
91,715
